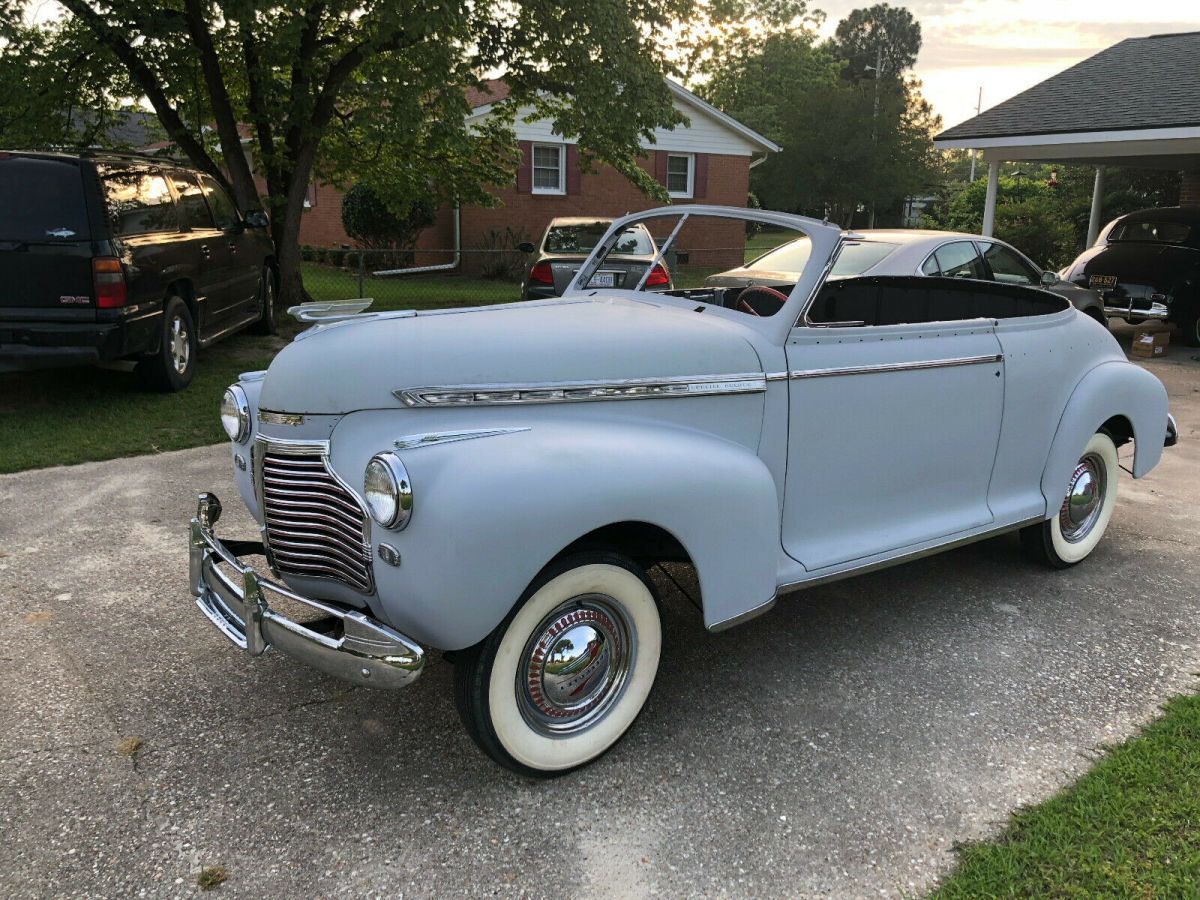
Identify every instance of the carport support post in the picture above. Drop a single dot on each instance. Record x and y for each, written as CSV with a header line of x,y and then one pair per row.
x,y
989,203
1097,196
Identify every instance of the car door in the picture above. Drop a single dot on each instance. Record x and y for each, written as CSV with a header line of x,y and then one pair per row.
x,y
244,263
209,256
893,431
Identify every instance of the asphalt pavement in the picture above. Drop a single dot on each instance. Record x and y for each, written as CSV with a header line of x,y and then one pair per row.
x,y
838,746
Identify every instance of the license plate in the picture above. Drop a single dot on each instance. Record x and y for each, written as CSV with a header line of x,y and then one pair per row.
x,y
1102,281
603,280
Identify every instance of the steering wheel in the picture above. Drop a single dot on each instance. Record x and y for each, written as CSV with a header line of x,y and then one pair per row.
x,y
763,293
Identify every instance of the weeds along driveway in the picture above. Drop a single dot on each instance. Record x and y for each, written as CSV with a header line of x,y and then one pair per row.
x,y
837,746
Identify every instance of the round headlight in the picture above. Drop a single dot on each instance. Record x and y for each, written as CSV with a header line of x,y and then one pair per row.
x,y
388,491
235,414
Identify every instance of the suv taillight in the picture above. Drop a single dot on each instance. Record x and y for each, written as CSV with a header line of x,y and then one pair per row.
x,y
658,275
109,281
542,274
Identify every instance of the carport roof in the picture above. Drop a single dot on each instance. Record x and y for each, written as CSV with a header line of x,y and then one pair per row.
x,y
1138,84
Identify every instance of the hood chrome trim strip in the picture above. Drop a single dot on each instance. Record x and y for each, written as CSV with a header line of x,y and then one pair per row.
x,y
581,391
412,441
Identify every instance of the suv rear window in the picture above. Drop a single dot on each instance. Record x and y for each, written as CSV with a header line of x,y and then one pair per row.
x,y
41,201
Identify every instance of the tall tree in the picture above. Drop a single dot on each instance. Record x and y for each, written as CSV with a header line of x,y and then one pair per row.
x,y
341,89
888,35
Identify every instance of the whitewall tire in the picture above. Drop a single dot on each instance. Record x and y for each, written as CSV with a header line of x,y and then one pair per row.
x,y
558,682
1073,532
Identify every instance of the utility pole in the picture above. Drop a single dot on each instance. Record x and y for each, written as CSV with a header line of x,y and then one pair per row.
x,y
978,108
875,113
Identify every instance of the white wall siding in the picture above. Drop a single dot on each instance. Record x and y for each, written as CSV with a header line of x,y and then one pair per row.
x,y
704,135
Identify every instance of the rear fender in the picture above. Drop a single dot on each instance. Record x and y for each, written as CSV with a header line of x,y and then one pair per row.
x,y
489,513
1114,388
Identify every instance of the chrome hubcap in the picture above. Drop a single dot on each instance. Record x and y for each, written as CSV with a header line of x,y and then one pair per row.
x,y
575,666
1085,497
181,348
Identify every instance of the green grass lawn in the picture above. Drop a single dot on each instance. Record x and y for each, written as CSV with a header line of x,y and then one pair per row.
x,y
1130,827
62,416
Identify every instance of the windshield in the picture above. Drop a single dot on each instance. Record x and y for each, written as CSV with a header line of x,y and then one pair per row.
x,y
854,259
581,237
1156,232
41,201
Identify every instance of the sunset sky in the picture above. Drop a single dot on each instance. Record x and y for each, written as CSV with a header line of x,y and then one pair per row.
x,y
1006,46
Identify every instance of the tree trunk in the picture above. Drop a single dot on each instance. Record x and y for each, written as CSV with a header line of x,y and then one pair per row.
x,y
286,230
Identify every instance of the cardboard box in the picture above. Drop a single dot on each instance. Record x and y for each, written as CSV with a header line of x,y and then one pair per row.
x,y
1150,343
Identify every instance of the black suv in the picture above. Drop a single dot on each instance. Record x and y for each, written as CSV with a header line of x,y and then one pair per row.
x,y
107,256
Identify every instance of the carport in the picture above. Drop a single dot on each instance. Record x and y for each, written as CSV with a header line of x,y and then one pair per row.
x,y
1136,104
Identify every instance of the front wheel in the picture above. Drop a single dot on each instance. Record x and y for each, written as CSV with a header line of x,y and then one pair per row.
x,y
1072,534
558,682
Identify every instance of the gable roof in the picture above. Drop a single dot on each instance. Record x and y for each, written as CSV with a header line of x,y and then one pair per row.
x,y
1137,85
496,90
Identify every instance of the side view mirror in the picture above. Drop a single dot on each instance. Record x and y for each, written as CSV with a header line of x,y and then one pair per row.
x,y
525,247
256,218
1049,278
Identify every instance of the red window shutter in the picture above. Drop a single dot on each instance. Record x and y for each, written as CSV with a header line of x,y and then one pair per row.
x,y
311,195
660,166
572,167
525,167
700,176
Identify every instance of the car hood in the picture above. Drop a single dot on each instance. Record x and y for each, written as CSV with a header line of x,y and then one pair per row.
x,y
358,363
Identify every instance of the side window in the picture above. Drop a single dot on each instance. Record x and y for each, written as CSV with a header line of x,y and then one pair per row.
x,y
191,202
960,260
139,202
931,266
224,212
548,174
1008,265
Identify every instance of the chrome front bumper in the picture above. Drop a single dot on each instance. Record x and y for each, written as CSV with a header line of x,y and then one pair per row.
x,y
346,643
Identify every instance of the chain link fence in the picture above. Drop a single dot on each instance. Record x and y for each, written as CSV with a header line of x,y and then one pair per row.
x,y
438,279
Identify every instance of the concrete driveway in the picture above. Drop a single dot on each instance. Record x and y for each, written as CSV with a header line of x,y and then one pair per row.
x,y
838,746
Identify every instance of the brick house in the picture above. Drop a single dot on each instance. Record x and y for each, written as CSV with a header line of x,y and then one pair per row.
x,y
707,160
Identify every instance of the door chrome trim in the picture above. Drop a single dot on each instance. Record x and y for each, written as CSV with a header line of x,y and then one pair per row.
x,y
899,367
581,391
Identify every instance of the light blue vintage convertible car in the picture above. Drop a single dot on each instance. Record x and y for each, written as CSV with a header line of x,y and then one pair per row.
x,y
494,481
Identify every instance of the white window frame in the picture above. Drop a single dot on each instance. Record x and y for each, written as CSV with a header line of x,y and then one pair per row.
x,y
562,169
691,175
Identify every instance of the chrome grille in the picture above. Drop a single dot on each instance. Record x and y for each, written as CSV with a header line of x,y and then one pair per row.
x,y
314,526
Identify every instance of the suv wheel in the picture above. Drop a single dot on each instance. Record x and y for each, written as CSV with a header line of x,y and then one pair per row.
x,y
266,293
174,365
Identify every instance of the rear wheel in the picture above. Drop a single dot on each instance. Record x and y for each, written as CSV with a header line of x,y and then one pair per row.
x,y
558,682
174,365
1191,328
1073,533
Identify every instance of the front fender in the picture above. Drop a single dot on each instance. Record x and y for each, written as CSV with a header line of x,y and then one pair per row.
x,y
489,513
1115,388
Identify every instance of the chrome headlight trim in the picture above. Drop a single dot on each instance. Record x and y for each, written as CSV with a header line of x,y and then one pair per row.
x,y
235,414
387,490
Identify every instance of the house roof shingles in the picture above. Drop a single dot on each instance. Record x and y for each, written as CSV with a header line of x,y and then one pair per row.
x,y
1138,84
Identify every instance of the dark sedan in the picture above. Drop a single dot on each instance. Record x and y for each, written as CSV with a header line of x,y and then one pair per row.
x,y
1147,266
567,243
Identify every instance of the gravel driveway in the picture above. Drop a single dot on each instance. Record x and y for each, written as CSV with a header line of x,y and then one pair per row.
x,y
836,747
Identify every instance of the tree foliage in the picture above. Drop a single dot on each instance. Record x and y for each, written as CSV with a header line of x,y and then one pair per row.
x,y
1049,222
341,89
368,219
848,144
882,33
